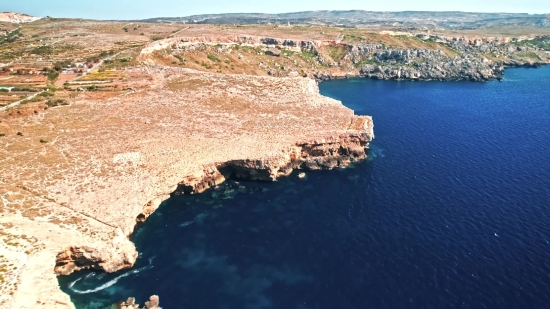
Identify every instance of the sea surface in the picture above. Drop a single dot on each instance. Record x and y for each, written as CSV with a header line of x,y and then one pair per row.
x,y
451,210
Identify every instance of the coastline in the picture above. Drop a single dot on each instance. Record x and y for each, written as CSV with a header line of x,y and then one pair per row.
x,y
145,151
82,179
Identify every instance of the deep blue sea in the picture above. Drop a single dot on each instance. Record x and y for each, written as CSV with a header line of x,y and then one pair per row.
x,y
451,210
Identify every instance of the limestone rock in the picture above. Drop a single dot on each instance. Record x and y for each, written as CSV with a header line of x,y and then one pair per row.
x,y
130,303
119,255
273,52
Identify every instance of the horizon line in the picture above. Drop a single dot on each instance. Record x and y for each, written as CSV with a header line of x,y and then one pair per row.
x,y
293,12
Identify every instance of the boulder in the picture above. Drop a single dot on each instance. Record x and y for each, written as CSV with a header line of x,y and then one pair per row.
x,y
273,52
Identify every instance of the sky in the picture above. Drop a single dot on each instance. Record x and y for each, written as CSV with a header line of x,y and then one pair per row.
x,y
139,9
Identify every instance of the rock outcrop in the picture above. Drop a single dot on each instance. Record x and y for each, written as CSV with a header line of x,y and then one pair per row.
x,y
321,153
130,303
119,255
17,18
194,43
444,58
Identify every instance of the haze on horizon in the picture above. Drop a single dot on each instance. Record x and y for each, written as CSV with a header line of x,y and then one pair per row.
x,y
142,9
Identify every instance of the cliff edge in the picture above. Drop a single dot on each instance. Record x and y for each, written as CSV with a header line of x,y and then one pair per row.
x,y
78,180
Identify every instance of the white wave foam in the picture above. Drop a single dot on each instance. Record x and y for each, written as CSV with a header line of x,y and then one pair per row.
x,y
109,283
184,224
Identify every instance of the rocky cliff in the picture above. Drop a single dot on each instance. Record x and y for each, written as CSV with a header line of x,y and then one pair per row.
x,y
74,202
474,59
16,18
419,64
322,152
433,57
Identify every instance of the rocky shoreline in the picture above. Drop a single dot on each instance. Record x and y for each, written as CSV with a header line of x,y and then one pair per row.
x,y
407,74
449,58
84,177
325,152
170,137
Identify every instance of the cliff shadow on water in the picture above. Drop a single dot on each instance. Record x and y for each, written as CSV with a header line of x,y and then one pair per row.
x,y
233,238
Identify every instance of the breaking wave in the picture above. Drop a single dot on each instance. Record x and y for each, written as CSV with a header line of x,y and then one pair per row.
x,y
109,283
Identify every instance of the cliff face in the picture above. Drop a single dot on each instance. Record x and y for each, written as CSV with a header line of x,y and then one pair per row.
x,y
474,59
109,163
119,254
430,57
423,65
16,18
321,153
192,43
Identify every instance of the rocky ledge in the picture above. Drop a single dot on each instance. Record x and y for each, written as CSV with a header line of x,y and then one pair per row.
x,y
326,152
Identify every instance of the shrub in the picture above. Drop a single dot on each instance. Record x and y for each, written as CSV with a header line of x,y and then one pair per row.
x,y
213,58
53,75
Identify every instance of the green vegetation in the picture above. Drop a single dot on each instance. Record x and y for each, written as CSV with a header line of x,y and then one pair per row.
x,y
204,64
540,42
11,37
57,49
308,55
352,38
56,102
287,53
365,62
530,56
53,75
337,52
42,50
105,54
23,89
214,58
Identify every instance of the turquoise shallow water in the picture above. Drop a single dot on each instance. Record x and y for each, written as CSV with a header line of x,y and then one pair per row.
x,y
452,210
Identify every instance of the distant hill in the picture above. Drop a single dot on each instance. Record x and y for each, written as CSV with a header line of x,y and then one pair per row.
x,y
16,18
407,19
